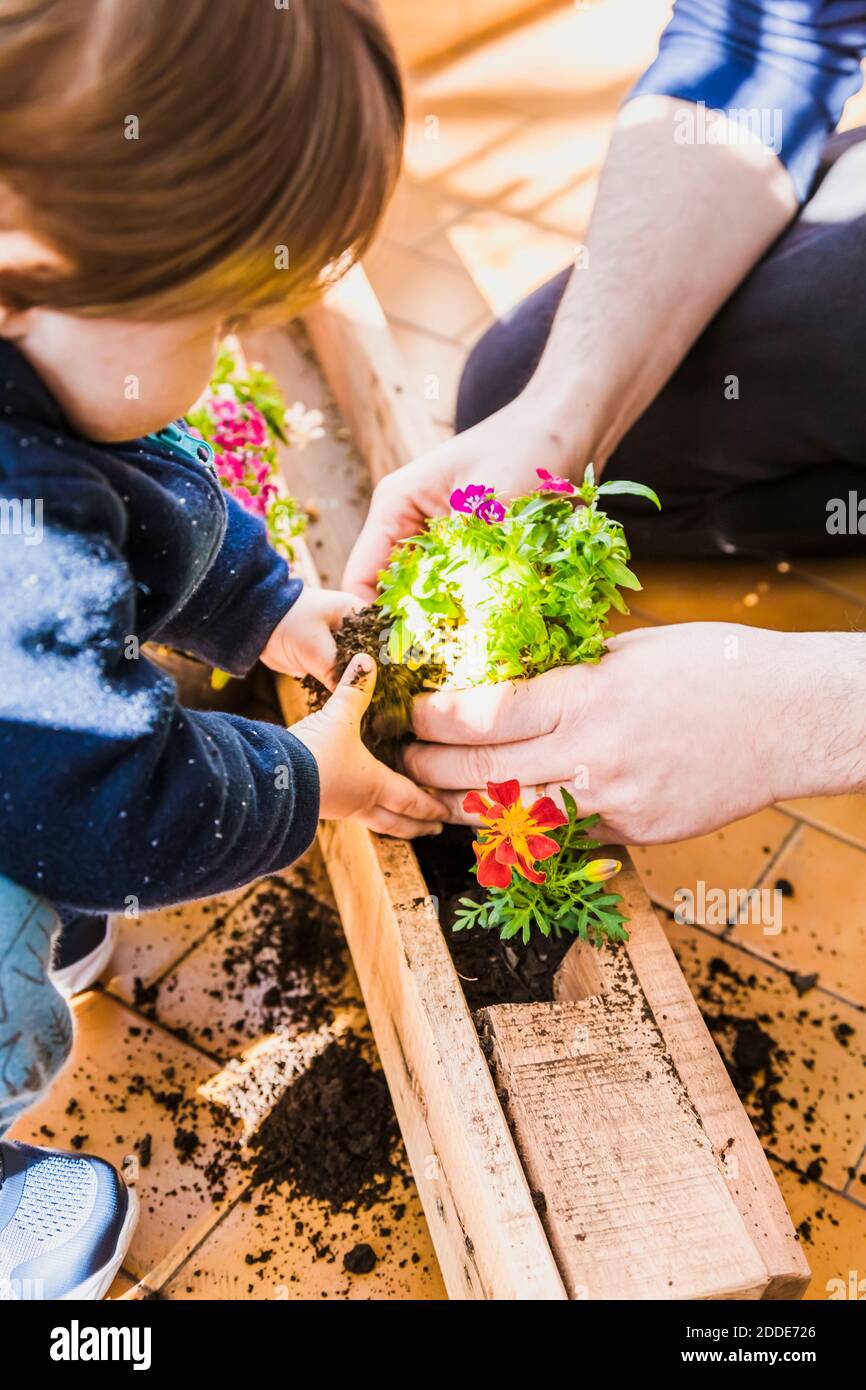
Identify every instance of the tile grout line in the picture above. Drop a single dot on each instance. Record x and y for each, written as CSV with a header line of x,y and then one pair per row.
x,y
172,1273
492,145
827,586
763,960
830,831
790,1166
854,1178
792,835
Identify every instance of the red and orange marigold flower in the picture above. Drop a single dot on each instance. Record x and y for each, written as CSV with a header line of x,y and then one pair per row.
x,y
511,835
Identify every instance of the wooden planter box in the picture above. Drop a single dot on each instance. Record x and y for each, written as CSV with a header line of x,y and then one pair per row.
x,y
589,1148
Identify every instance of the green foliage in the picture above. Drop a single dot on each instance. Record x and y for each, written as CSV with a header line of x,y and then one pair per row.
x,y
245,443
251,385
490,601
566,902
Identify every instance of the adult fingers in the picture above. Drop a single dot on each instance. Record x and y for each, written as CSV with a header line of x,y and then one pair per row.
x,y
503,713
402,827
399,794
386,522
460,765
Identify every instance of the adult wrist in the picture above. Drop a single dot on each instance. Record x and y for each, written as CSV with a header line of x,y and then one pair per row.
x,y
819,715
563,414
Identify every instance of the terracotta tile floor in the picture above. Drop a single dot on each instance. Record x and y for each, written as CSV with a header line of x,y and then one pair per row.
x,y
502,160
187,1070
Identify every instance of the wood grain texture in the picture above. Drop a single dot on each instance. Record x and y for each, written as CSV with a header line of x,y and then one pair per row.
x,y
365,371
699,1064
488,1238
636,1206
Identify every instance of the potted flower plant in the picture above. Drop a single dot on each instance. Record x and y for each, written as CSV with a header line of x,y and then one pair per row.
x,y
496,591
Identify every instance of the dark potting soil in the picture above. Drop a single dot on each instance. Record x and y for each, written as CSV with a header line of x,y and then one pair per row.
x,y
361,1259
385,726
333,1134
491,971
293,943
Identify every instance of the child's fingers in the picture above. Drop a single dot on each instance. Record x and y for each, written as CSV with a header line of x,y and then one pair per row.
x,y
353,694
402,827
338,605
321,658
396,793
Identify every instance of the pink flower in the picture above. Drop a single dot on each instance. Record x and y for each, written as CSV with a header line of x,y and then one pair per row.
x,y
231,466
551,483
477,500
490,510
257,429
468,499
244,497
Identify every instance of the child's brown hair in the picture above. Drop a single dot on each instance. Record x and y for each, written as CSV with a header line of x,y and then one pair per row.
x,y
189,154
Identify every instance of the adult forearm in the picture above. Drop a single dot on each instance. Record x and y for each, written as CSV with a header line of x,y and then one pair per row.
x,y
676,227
819,719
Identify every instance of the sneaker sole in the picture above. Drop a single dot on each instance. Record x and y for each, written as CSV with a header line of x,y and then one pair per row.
x,y
74,979
97,1286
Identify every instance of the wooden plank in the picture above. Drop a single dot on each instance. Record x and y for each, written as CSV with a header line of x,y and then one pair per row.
x,y
636,1206
699,1064
364,369
487,1233
424,32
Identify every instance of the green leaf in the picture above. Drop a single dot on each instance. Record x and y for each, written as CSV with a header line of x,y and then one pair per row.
x,y
619,487
621,574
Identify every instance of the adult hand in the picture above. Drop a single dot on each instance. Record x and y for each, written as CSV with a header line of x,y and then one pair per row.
x,y
502,451
677,731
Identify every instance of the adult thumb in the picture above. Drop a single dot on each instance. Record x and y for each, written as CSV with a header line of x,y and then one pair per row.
x,y
355,691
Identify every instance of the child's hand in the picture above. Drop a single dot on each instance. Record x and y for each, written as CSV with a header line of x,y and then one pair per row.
x,y
352,782
303,641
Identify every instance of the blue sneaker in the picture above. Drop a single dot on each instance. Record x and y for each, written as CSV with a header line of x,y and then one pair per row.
x,y
66,1221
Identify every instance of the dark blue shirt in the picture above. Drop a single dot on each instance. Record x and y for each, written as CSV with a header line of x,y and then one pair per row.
x,y
108,789
797,58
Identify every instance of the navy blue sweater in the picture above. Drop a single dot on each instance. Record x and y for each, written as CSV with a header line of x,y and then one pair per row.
x,y
108,789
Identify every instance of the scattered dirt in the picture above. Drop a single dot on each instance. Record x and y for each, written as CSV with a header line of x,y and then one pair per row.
x,y
295,946
333,1134
763,1070
361,1259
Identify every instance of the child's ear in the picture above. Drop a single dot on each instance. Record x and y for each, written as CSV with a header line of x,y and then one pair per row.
x,y
23,252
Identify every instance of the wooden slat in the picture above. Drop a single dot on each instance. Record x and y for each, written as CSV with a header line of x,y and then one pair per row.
x,y
488,1237
424,32
699,1064
365,372
636,1206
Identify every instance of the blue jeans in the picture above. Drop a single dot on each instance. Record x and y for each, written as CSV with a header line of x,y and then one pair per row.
x,y
35,1022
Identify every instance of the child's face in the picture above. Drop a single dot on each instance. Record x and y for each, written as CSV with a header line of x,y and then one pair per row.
x,y
117,379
